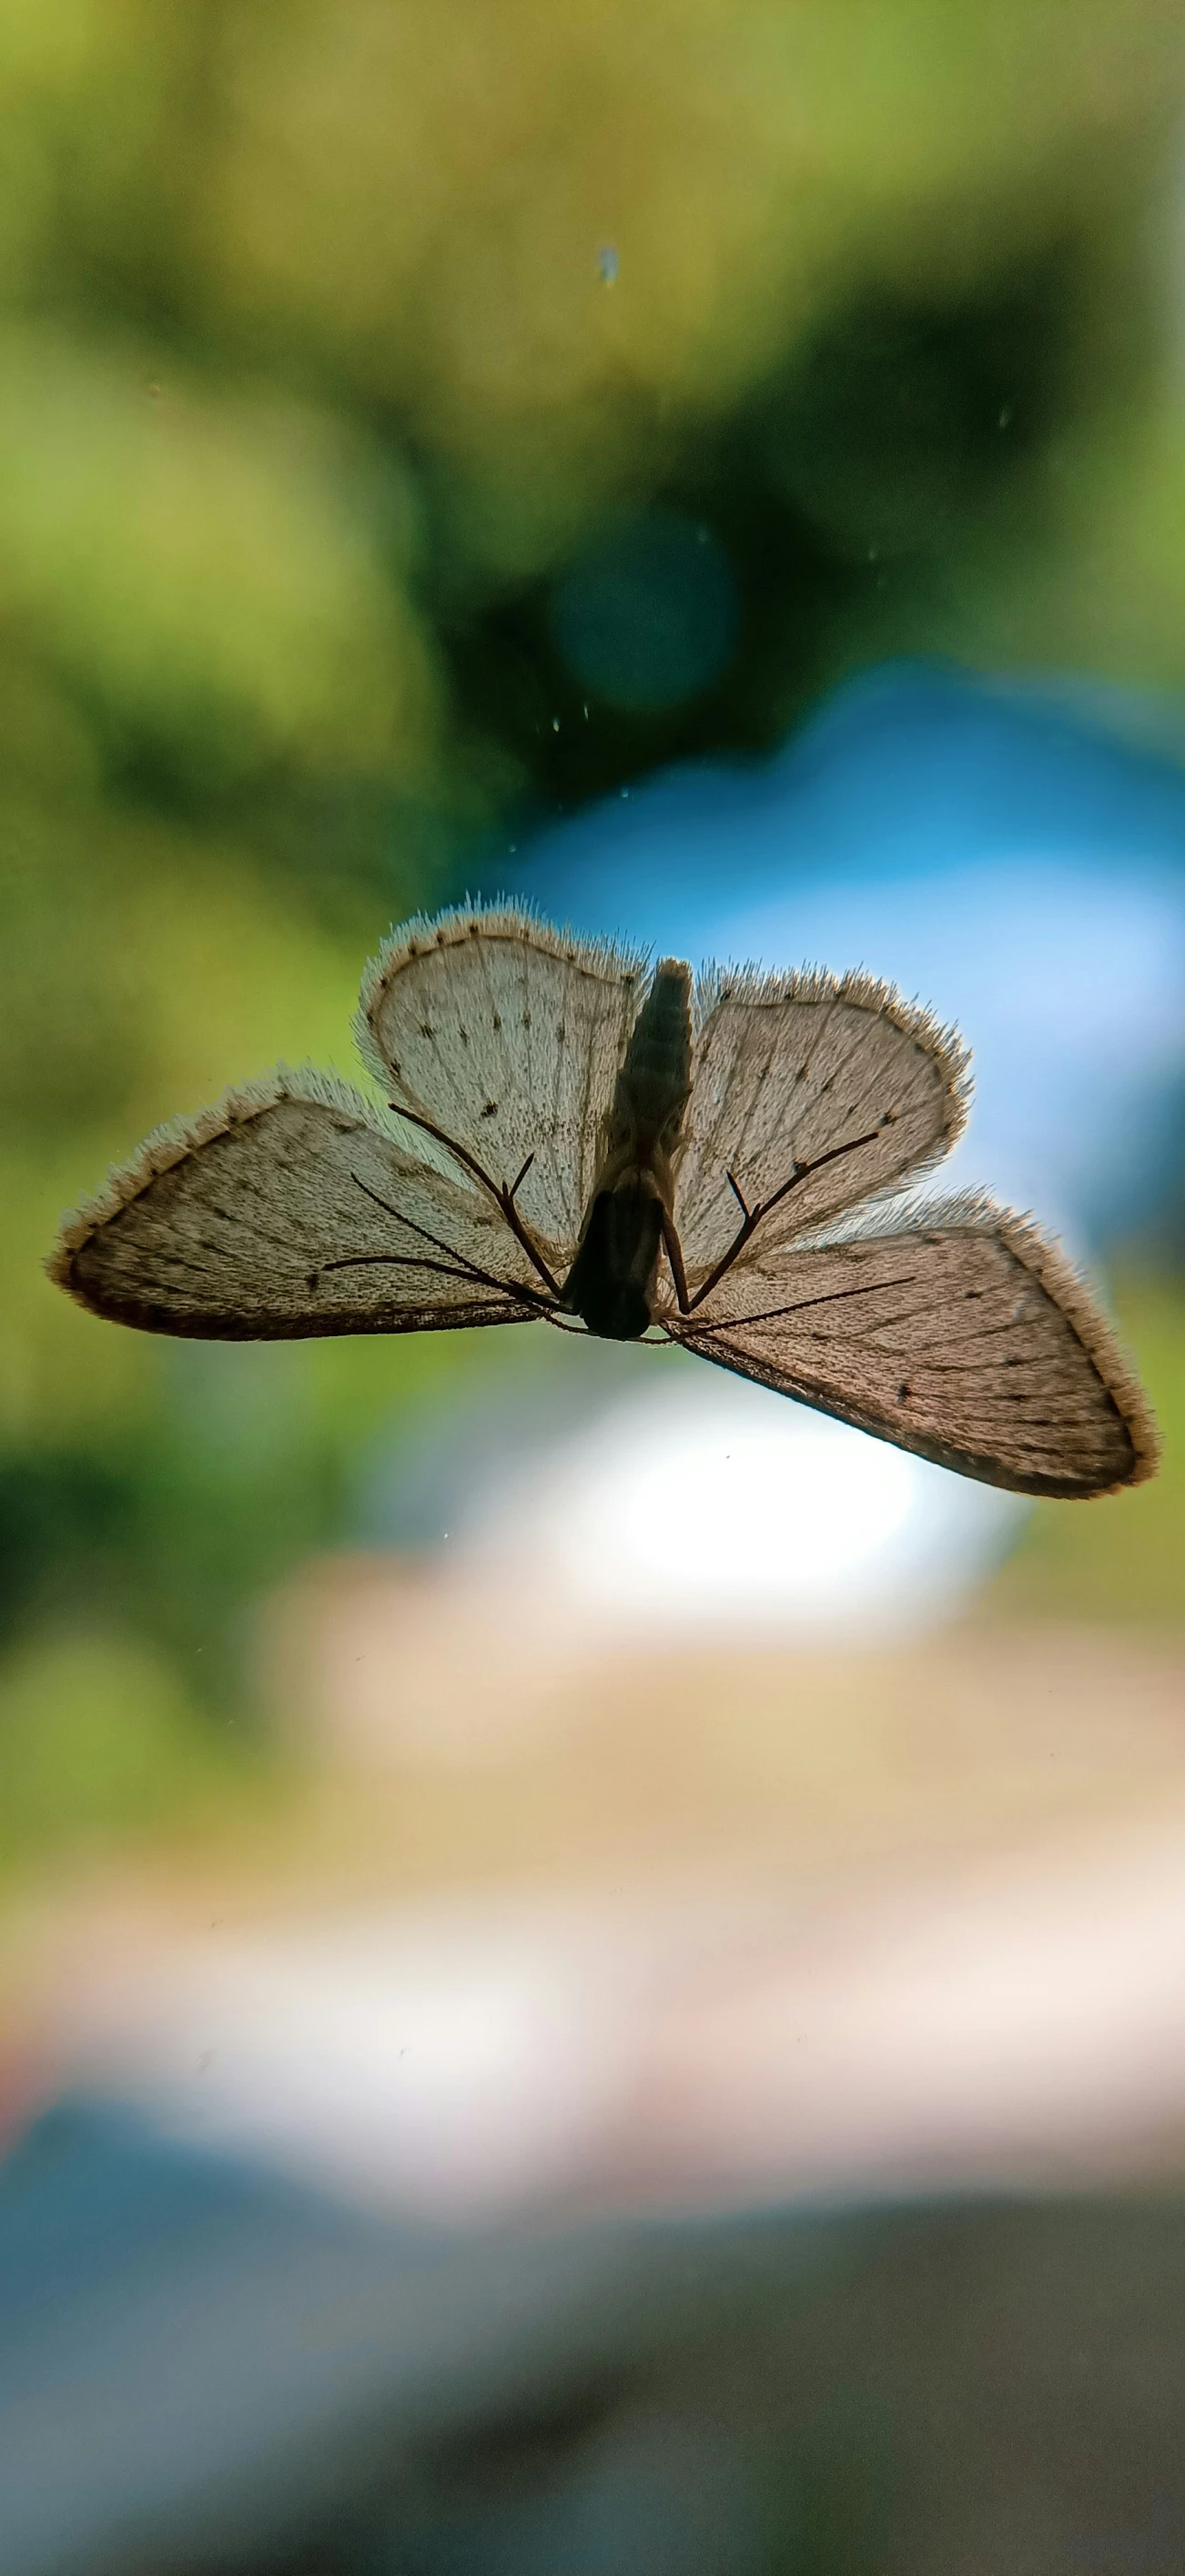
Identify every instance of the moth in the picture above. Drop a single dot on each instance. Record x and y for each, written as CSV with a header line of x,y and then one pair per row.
x,y
721,1162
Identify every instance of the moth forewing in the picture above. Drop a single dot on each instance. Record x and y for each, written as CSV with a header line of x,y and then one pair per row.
x,y
811,1093
288,1210
506,1036
963,1335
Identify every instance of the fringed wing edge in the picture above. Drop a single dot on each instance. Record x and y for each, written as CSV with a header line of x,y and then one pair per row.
x,y
754,988
1048,1263
610,961
172,1141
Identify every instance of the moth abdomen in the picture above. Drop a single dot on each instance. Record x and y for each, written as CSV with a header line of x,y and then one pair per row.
x,y
655,1077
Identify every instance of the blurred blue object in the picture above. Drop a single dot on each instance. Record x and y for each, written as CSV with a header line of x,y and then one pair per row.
x,y
1016,857
908,770
206,2369
200,2359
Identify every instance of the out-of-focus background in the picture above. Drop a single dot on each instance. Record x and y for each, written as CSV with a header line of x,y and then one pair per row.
x,y
472,1803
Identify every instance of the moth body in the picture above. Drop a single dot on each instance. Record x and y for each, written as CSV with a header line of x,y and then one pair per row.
x,y
612,1280
655,1078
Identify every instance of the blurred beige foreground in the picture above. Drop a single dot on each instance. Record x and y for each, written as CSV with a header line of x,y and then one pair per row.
x,y
550,1921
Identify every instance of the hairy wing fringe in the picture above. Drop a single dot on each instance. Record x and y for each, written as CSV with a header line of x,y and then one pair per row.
x,y
607,960
177,1137
753,987
973,1212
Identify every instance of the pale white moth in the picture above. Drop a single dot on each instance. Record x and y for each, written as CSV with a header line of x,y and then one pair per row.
x,y
572,1137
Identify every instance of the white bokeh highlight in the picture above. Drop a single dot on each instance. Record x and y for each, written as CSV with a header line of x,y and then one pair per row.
x,y
711,1505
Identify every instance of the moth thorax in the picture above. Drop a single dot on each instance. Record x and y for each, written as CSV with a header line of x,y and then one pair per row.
x,y
611,1282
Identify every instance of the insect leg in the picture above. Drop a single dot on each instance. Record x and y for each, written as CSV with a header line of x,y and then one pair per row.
x,y
834,1297
674,1253
502,1197
801,1172
399,1261
466,1270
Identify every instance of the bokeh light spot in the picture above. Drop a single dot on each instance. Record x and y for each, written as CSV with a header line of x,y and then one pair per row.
x,y
648,616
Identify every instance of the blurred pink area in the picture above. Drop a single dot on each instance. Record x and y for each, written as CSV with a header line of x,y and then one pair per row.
x,y
553,1924
1022,2024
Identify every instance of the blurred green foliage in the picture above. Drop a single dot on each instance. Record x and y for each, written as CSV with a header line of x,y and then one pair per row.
x,y
99,1739
316,377
1125,1560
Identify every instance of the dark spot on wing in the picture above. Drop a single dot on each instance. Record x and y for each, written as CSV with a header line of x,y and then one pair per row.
x,y
904,1393
489,1109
